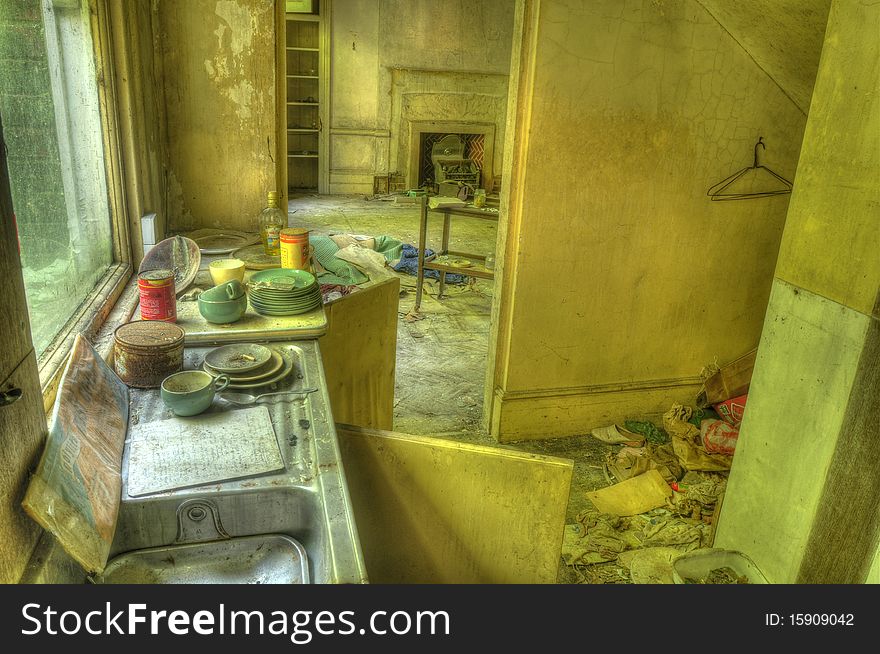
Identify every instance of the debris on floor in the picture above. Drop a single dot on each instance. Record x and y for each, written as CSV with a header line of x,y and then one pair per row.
x,y
716,566
687,442
617,435
662,502
633,496
651,565
630,462
648,429
725,382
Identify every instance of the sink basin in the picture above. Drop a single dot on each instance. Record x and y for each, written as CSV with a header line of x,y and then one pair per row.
x,y
271,559
259,522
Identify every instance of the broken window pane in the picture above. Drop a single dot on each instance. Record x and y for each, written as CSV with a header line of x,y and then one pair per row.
x,y
52,128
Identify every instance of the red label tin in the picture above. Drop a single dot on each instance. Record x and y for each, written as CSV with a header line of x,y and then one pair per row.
x,y
157,295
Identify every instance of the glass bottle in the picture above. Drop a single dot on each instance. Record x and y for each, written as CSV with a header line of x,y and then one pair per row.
x,y
272,220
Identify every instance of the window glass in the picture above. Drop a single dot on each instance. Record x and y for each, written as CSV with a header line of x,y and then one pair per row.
x,y
52,127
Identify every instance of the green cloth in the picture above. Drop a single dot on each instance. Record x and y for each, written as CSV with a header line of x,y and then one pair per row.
x,y
338,271
391,248
649,430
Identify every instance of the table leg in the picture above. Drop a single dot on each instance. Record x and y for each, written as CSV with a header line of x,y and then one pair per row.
x,y
444,250
423,230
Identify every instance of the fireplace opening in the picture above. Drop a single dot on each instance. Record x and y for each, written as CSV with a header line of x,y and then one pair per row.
x,y
460,163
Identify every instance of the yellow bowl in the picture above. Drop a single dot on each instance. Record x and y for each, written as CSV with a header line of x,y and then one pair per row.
x,y
224,270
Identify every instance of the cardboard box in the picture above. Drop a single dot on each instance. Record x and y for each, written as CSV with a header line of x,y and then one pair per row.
x,y
731,381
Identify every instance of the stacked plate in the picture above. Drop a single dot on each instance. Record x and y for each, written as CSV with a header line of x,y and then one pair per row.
x,y
284,292
247,365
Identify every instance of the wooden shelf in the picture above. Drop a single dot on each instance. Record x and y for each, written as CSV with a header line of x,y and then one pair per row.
x,y
295,15
306,76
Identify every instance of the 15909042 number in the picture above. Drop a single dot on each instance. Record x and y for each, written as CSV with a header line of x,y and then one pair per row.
x,y
822,619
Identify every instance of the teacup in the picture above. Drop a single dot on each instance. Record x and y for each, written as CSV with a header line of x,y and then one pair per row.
x,y
225,270
190,392
226,291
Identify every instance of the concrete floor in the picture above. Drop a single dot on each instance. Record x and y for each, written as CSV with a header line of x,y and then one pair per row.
x,y
441,359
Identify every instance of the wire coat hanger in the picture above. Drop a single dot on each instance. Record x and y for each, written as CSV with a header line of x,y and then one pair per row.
x,y
721,191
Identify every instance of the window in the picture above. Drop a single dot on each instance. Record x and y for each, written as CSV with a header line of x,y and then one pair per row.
x,y
55,150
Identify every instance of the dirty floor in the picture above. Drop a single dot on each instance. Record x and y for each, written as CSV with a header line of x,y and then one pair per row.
x,y
441,359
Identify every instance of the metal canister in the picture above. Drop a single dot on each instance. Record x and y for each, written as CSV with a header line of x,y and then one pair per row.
x,y
295,248
146,351
156,289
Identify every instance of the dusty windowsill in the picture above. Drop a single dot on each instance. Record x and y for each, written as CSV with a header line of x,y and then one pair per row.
x,y
113,304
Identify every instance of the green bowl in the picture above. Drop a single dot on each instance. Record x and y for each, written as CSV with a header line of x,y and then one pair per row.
x,y
221,312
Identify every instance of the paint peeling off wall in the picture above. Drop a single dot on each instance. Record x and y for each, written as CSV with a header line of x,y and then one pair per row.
x,y
219,61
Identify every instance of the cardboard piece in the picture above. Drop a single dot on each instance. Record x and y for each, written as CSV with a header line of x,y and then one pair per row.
x,y
633,496
75,493
731,381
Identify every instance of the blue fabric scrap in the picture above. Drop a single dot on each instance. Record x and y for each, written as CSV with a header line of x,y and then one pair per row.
x,y
409,263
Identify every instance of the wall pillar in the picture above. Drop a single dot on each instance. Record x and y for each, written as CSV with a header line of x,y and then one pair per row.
x,y
805,482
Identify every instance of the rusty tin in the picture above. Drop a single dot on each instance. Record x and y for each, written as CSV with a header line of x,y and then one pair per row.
x,y
146,351
156,288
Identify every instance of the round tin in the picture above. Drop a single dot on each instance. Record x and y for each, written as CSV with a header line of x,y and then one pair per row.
x,y
295,248
146,351
156,289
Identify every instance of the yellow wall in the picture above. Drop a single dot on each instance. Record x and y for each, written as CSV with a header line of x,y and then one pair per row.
x,y
621,274
803,491
218,58
396,61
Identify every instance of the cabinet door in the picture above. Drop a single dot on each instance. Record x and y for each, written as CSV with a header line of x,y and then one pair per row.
x,y
434,511
22,421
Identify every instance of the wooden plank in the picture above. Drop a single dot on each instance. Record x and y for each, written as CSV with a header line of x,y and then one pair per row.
x,y
437,511
22,423
75,493
14,321
359,352
22,430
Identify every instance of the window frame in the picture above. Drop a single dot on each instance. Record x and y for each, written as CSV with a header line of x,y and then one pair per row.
x,y
98,304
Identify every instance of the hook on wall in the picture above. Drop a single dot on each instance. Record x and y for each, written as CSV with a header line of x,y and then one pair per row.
x,y
773,183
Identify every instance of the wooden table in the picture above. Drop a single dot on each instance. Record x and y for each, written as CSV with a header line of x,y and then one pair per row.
x,y
443,268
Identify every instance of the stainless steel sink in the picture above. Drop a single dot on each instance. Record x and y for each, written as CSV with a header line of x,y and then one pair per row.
x,y
308,501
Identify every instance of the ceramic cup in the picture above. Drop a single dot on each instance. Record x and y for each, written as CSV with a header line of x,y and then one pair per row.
x,y
190,392
224,270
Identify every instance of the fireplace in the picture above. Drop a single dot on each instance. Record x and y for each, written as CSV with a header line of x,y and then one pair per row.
x,y
474,145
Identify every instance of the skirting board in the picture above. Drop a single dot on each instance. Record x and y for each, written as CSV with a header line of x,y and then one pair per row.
x,y
531,415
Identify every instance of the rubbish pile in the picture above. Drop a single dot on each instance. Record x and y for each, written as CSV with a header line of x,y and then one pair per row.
x,y
670,484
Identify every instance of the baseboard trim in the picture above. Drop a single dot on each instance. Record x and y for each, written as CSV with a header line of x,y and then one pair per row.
x,y
553,413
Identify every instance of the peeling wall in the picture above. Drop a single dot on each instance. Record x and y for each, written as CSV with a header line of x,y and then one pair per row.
x,y
219,63
626,278
390,57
